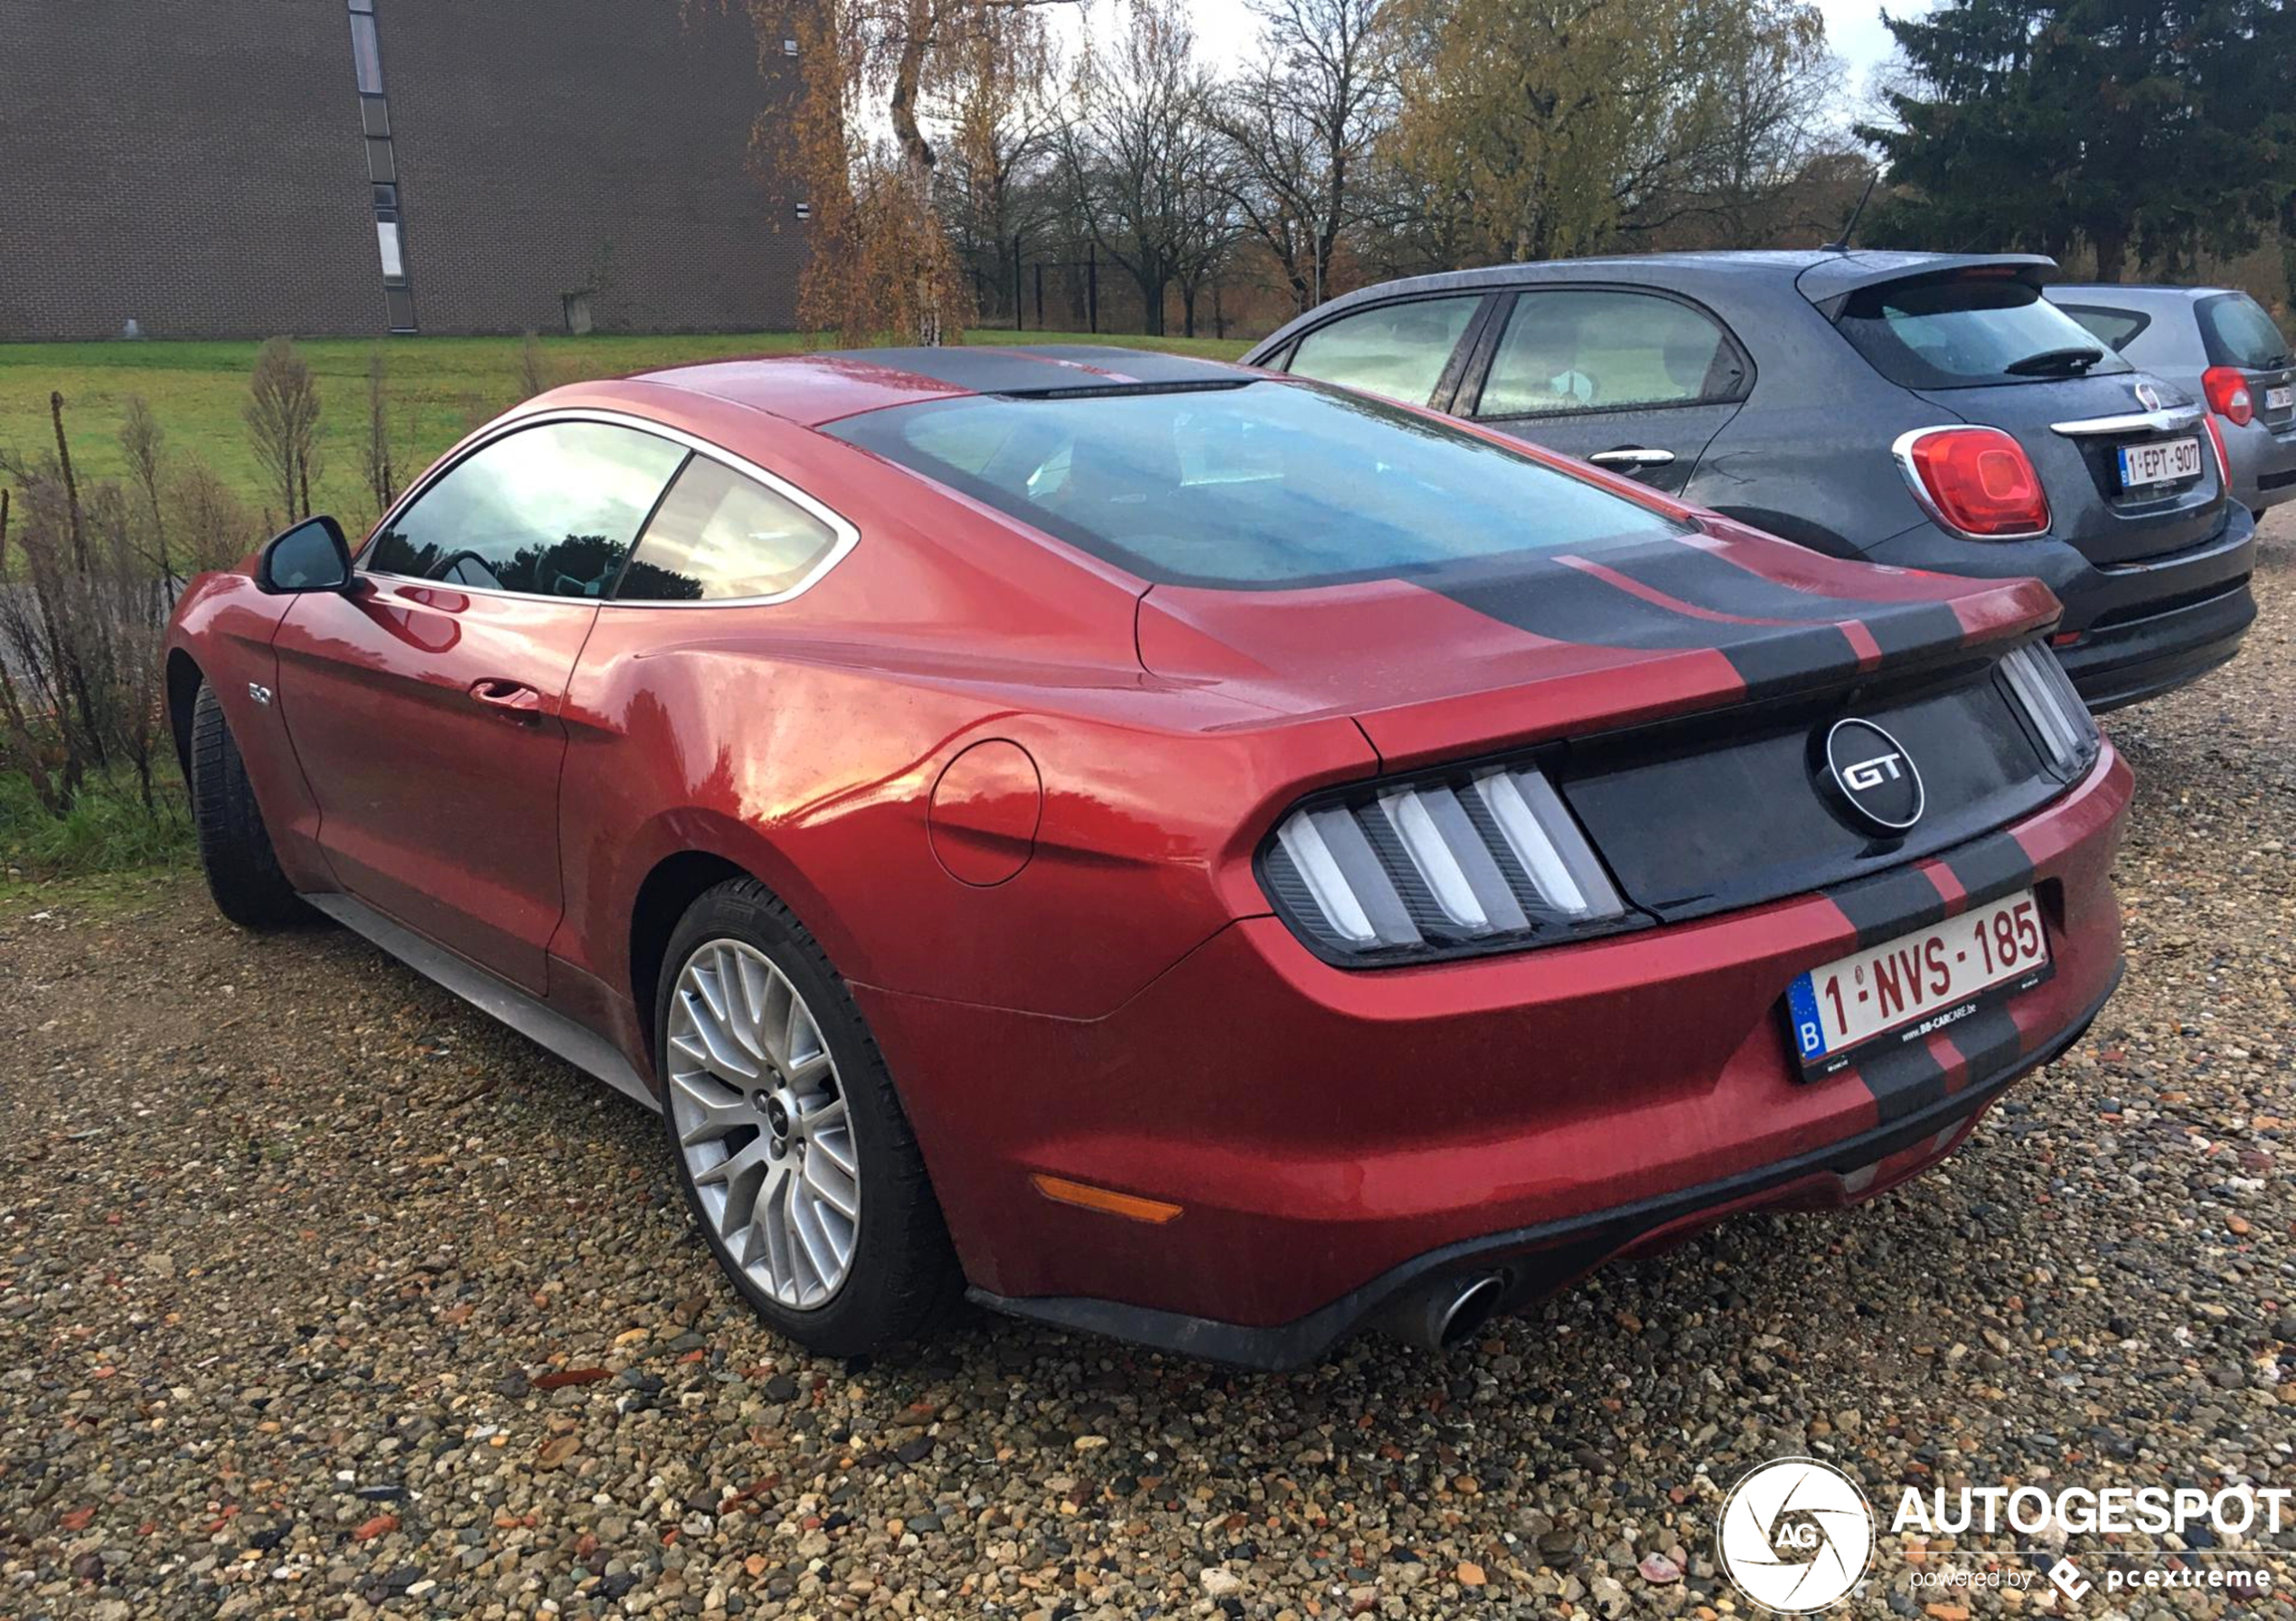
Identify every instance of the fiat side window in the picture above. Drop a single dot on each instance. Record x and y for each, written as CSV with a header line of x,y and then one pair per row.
x,y
1396,350
1603,350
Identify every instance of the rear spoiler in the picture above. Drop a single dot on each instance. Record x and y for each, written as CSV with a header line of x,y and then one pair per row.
x,y
1829,283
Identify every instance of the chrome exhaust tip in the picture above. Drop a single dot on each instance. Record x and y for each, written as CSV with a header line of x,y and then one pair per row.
x,y
1437,1315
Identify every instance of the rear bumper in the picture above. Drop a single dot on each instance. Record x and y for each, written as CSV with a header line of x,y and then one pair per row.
x,y
2140,628
2263,462
1535,1261
2146,654
1331,1136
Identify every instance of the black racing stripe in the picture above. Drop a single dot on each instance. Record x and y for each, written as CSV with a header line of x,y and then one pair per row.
x,y
1890,904
1699,578
991,370
1904,1080
1906,626
1779,660
1552,599
1564,604
1989,868
1990,1040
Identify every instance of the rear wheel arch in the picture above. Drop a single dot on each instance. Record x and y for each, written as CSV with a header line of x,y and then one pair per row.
x,y
662,899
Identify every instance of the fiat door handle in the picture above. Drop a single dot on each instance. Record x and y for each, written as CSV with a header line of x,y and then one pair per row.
x,y
513,699
1631,455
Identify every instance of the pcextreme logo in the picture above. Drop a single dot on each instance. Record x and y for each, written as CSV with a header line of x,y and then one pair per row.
x,y
1795,1535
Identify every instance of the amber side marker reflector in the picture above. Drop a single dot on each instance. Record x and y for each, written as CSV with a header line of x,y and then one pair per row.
x,y
1130,1206
2065,638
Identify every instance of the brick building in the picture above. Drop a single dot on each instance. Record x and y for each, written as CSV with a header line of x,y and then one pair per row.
x,y
220,168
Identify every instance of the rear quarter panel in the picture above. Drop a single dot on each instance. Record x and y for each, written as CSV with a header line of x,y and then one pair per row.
x,y
803,741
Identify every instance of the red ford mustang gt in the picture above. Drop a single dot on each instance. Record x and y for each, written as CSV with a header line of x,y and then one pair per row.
x,y
1185,853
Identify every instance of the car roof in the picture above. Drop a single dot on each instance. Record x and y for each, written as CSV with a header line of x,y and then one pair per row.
x,y
2136,294
813,390
1820,273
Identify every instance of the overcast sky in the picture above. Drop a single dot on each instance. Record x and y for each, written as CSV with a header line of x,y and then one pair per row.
x,y
1225,29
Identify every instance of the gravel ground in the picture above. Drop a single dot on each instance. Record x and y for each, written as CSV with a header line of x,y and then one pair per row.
x,y
319,1294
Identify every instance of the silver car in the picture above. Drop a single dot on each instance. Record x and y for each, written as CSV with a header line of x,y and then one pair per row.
x,y
2218,344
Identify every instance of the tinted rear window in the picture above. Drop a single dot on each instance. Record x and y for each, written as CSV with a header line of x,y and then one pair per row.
x,y
1967,332
1264,485
2240,334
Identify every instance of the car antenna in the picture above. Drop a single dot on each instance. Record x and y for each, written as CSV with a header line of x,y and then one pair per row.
x,y
1840,244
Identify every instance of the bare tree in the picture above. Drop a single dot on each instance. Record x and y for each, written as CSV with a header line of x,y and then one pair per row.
x,y
1138,154
1301,122
144,443
283,424
1002,104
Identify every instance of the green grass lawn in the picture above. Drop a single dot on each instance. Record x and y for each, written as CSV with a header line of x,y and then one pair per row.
x,y
437,386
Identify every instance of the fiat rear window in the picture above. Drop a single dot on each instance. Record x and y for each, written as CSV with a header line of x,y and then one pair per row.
x,y
1966,331
1257,485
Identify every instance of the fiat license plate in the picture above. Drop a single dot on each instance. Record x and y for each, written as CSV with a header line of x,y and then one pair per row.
x,y
2164,463
1907,988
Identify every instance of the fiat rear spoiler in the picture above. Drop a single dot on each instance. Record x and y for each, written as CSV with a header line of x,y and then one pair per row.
x,y
1829,283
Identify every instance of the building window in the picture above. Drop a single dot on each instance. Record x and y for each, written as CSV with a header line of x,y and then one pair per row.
x,y
366,53
394,262
382,164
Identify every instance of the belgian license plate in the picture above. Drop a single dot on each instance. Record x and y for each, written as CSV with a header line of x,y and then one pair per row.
x,y
2280,399
2163,463
1907,988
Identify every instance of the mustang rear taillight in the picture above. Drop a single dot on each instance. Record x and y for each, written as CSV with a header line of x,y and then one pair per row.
x,y
1486,859
1976,481
2045,694
2228,395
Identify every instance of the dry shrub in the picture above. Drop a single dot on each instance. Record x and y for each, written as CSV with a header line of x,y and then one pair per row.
x,y
92,574
535,374
283,424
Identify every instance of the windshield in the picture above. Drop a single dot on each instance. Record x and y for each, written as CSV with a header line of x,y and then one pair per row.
x,y
1970,331
1264,485
2240,334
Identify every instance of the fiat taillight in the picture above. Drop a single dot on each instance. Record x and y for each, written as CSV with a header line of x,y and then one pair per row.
x,y
1976,481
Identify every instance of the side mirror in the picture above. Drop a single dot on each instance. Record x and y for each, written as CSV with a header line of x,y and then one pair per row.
x,y
312,556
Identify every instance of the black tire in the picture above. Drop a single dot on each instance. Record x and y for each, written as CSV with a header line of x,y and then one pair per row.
x,y
234,848
904,1278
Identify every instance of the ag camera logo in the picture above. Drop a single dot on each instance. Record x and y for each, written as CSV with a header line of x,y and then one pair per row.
x,y
1795,1535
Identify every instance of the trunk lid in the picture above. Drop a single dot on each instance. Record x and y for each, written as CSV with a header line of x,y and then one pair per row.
x,y
1464,660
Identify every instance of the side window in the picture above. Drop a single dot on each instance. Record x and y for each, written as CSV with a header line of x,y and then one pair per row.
x,y
549,510
2111,327
720,535
1567,350
1397,350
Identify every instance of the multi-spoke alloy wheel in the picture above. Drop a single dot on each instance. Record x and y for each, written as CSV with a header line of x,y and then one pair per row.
x,y
792,1147
763,1124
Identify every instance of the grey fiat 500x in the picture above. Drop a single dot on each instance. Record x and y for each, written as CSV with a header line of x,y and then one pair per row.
x,y
2216,342
1929,411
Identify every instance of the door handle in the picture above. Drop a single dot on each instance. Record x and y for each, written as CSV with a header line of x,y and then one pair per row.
x,y
513,699
1631,455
